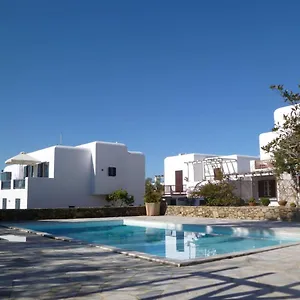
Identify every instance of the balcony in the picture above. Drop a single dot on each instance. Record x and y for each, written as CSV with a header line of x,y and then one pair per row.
x,y
175,190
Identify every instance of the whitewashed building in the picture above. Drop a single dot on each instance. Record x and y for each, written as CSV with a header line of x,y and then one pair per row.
x,y
267,185
78,176
184,172
252,176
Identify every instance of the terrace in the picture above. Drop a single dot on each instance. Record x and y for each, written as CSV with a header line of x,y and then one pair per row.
x,y
53,269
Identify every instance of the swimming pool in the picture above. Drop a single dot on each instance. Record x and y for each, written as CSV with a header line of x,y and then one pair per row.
x,y
173,242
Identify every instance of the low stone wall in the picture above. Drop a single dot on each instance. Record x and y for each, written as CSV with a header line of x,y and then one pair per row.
x,y
69,213
244,212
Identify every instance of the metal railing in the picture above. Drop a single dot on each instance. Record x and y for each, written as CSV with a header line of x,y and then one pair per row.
x,y
19,184
175,189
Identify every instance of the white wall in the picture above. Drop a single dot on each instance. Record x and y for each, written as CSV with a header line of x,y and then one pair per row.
x,y
12,195
110,155
264,139
71,185
280,112
194,173
267,137
135,176
176,163
79,176
244,163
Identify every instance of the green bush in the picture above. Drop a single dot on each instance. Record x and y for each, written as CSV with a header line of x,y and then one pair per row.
x,y
265,201
252,200
153,192
120,198
218,194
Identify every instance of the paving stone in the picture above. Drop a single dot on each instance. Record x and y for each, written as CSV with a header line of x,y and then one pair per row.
x,y
43,269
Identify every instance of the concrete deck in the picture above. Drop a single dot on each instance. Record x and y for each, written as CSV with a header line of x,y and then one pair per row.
x,y
43,268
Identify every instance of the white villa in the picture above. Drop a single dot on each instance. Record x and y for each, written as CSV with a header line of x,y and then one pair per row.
x,y
270,187
81,176
253,176
185,172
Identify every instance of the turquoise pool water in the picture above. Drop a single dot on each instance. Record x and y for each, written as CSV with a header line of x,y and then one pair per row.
x,y
193,241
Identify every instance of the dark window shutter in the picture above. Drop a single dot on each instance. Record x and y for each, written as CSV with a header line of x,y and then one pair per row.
x,y
40,170
46,169
26,171
273,188
261,189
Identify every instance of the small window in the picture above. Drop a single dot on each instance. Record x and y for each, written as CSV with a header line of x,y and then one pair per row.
x,y
18,204
4,203
112,171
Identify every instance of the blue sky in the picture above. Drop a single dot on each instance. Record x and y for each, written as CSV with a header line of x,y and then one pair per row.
x,y
162,76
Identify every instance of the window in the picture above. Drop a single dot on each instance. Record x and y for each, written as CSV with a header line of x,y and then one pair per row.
x,y
28,171
112,171
18,204
267,188
43,170
4,203
5,176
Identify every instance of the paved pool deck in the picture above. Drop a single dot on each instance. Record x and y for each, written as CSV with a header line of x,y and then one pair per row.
x,y
43,268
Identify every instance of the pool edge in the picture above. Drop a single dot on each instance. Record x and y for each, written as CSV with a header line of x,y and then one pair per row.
x,y
154,258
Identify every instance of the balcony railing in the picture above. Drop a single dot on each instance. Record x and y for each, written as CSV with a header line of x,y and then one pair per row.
x,y
175,189
19,184
6,185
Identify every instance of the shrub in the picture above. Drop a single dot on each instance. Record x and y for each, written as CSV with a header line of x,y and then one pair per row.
x,y
265,201
293,204
252,201
120,198
153,192
218,194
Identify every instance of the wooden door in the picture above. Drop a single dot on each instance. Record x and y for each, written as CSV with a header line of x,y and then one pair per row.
x,y
178,181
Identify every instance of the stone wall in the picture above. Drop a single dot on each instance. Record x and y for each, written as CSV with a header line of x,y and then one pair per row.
x,y
273,213
69,213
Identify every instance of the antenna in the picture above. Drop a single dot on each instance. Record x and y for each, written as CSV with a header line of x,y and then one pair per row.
x,y
60,139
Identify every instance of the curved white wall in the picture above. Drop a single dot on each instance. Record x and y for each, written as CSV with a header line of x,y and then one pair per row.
x,y
264,139
280,112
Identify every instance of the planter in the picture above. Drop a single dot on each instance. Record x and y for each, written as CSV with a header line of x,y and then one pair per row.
x,y
252,204
153,209
282,202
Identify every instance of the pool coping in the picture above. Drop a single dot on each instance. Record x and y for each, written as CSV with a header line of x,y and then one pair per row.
x,y
155,258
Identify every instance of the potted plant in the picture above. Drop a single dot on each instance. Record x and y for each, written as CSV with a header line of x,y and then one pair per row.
x,y
282,202
265,201
152,198
252,201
